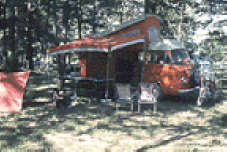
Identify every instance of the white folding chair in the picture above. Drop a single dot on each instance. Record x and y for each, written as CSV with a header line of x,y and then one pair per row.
x,y
124,95
147,96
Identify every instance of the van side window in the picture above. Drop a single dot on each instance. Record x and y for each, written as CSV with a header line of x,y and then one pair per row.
x,y
151,58
163,58
158,58
167,59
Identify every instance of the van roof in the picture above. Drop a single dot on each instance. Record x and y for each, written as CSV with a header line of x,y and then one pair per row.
x,y
125,24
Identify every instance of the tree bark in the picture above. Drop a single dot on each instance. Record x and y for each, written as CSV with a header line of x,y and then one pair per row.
x,y
79,18
29,52
65,20
13,46
146,5
94,17
55,19
149,5
4,53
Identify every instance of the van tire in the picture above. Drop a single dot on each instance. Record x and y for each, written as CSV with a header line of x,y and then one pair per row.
x,y
158,92
115,97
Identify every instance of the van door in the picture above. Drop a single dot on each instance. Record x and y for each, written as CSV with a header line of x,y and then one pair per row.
x,y
123,70
153,66
82,64
157,69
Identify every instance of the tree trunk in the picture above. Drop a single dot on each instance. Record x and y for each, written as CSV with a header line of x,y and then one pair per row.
x,y
13,46
29,52
151,5
120,12
146,5
94,17
65,20
79,18
55,19
4,53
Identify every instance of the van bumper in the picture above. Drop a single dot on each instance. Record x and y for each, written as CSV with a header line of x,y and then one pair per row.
x,y
191,93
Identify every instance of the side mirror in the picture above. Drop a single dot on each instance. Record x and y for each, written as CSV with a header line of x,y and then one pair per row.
x,y
141,56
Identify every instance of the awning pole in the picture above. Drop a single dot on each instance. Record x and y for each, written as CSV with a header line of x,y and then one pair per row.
x,y
48,74
107,72
143,62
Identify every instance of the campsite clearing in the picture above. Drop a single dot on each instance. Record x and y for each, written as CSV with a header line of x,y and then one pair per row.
x,y
178,125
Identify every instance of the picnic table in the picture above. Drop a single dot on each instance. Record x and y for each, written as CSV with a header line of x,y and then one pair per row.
x,y
85,87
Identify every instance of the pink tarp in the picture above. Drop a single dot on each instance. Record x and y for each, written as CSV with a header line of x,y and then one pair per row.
x,y
12,88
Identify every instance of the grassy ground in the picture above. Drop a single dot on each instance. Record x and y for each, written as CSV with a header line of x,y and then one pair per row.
x,y
178,126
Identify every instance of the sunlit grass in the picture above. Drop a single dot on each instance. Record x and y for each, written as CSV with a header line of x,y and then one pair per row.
x,y
176,126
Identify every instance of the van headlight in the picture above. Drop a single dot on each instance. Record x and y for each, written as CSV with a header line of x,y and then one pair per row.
x,y
183,79
206,71
217,85
217,82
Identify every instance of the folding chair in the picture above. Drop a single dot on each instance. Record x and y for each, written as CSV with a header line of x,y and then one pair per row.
x,y
147,96
124,95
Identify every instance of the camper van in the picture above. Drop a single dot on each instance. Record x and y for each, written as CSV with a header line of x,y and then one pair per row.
x,y
110,58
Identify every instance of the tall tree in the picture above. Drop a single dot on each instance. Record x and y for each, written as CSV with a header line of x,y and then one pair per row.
x,y
213,45
66,16
25,29
3,26
79,18
9,41
29,48
150,6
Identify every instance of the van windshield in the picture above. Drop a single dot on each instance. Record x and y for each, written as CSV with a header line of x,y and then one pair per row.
x,y
178,56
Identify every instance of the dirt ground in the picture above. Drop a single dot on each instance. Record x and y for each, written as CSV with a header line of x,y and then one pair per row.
x,y
178,126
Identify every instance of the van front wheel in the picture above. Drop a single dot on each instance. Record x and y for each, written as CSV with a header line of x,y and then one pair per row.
x,y
158,93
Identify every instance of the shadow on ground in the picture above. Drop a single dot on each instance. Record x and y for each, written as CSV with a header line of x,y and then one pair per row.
x,y
41,118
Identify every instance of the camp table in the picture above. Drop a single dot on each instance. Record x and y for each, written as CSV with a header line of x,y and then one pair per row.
x,y
86,86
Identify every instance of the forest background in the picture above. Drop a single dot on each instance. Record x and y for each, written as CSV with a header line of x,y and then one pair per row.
x,y
29,27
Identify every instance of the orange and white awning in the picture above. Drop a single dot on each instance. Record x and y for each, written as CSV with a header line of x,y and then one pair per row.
x,y
98,44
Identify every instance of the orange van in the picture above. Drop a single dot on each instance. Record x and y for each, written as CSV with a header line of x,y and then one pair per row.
x,y
168,65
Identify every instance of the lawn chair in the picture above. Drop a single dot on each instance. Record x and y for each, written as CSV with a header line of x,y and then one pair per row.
x,y
124,95
147,96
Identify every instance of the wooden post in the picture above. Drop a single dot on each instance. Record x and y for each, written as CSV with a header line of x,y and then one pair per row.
x,y
69,57
107,71
48,74
143,62
142,73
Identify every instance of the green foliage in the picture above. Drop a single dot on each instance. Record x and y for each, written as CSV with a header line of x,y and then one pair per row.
x,y
49,22
213,45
